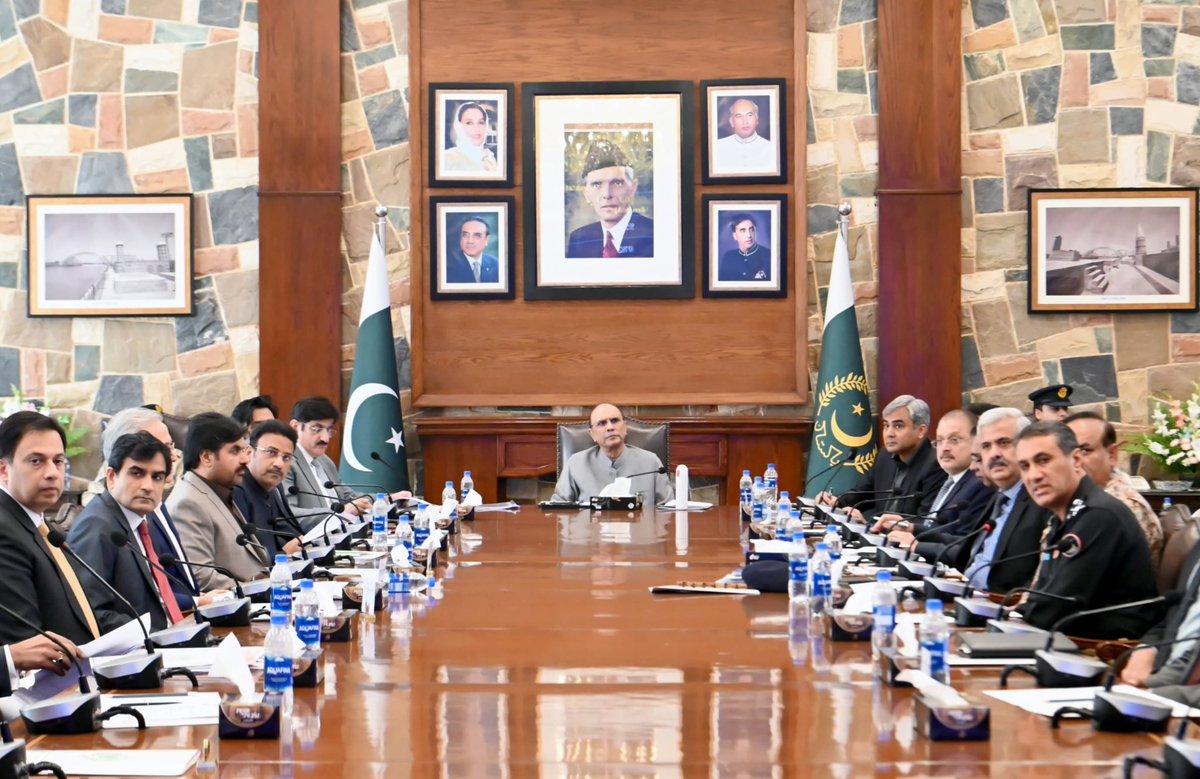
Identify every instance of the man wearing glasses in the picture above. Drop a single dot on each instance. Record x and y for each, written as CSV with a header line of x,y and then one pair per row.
x,y
272,451
590,471
215,456
314,420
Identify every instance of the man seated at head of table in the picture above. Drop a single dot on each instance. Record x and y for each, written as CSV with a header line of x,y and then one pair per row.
x,y
905,479
961,497
588,472
1102,558
1005,557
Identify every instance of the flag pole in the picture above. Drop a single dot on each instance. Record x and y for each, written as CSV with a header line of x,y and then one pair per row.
x,y
844,221
381,212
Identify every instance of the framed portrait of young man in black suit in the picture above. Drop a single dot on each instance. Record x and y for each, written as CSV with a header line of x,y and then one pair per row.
x,y
471,248
608,190
745,246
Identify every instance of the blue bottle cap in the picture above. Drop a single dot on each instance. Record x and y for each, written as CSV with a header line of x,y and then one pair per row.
x,y
307,584
883,576
281,559
933,604
466,473
822,547
381,496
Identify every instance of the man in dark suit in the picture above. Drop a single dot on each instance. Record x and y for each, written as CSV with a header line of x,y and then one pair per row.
x,y
273,448
1176,664
470,263
137,471
32,654
905,478
1105,558
1017,521
749,260
609,186
36,580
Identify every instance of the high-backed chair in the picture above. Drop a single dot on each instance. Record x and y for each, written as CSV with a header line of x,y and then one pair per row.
x,y
1176,550
576,437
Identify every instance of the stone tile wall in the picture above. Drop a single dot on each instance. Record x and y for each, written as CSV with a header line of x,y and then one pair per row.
x,y
124,97
1071,93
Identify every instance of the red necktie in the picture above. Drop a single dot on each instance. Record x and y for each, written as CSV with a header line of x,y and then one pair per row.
x,y
610,250
160,578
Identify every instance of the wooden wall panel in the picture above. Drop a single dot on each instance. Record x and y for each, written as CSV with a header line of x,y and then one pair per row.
x,y
300,213
580,352
920,264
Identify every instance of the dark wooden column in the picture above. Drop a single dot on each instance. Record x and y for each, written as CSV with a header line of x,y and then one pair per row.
x,y
920,165
300,210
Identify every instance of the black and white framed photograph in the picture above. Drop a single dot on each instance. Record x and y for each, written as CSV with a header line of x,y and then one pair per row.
x,y
470,136
745,246
1112,249
608,190
472,248
745,131
113,255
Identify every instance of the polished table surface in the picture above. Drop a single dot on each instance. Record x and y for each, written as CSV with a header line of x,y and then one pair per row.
x,y
547,656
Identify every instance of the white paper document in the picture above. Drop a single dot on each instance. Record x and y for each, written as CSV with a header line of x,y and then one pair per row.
x,y
692,505
201,659
510,505
165,711
118,762
125,639
1045,701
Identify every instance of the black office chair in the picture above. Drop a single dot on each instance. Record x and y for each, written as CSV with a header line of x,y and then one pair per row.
x,y
652,436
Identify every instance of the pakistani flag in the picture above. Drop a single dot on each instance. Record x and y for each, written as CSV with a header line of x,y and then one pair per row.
x,y
373,449
843,443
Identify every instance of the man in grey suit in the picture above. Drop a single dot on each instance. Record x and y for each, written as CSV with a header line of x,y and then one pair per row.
x,y
315,422
215,456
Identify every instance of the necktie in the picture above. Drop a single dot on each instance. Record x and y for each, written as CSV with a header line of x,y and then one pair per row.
x,y
997,512
610,250
160,578
943,493
72,580
475,270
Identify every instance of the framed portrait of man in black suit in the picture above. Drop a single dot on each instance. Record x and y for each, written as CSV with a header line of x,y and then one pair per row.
x,y
471,250
608,190
745,246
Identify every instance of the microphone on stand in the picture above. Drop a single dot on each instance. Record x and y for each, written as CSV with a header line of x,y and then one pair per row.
x,y
850,454
170,559
177,636
401,472
250,531
335,505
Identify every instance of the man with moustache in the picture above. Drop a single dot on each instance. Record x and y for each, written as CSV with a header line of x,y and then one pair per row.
x,y
588,472
744,150
215,456
138,465
315,422
273,447
471,264
610,186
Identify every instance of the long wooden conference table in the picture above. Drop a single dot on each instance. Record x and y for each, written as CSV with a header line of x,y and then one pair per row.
x,y
548,656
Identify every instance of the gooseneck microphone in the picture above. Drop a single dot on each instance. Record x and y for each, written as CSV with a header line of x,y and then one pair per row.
x,y
68,654
169,559
986,527
334,504
861,503
250,531
121,540
850,454
1004,611
1061,546
1167,598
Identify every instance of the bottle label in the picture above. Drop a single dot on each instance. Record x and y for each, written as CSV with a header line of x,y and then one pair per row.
x,y
277,674
758,512
933,658
746,497
822,586
309,630
281,598
798,570
379,526
420,536
771,481
885,619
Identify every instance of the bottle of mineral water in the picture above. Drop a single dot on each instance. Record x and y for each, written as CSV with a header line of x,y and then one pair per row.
x,y
794,527
277,663
758,496
448,494
833,539
468,484
771,479
401,558
746,489
820,570
935,642
883,606
784,508
281,588
308,616
798,593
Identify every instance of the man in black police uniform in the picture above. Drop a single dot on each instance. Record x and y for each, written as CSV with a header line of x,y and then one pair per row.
x,y
1106,560
1051,404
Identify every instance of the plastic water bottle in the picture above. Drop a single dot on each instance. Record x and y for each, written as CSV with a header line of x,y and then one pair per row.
x,y
379,523
308,615
746,488
468,484
281,588
784,508
794,527
771,480
833,540
277,663
798,571
1167,505
770,509
883,606
399,582
448,494
420,529
757,496
935,642
822,585
404,535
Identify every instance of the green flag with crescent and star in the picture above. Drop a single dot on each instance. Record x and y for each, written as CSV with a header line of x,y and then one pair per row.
x,y
373,450
843,442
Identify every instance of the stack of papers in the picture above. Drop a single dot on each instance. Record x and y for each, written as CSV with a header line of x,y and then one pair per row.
x,y
1046,701
118,762
165,711
200,659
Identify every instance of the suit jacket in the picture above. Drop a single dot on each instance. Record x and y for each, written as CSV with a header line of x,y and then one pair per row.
x,y
1022,533
950,523
259,507
458,269
209,531
5,676
923,476
1167,629
302,477
1112,565
31,583
638,241
121,568
183,583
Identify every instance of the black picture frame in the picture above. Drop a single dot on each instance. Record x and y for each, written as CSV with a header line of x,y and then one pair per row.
x,y
447,214
723,271
770,98
450,166
651,125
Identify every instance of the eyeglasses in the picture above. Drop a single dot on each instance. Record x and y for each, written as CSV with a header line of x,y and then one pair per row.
x,y
602,423
273,453
953,440
318,429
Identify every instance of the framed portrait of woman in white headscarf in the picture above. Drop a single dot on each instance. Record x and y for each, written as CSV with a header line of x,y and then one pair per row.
x,y
470,138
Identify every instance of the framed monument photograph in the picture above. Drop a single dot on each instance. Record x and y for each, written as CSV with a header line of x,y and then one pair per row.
x,y
608,190
745,131
745,246
471,248
1112,249
113,255
470,135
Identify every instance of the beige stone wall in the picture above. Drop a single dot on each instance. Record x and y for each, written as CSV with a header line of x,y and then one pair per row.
x,y
133,97
1071,93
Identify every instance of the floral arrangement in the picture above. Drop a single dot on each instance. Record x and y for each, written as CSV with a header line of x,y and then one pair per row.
x,y
1174,439
18,402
